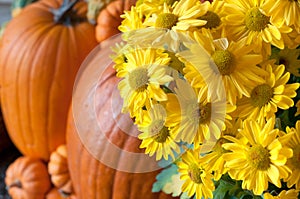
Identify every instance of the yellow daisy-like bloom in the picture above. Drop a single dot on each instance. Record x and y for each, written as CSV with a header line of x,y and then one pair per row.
x,y
143,73
267,97
213,16
197,179
298,108
289,57
182,15
285,194
294,162
230,59
246,21
214,159
284,12
192,116
132,20
259,160
155,136
149,7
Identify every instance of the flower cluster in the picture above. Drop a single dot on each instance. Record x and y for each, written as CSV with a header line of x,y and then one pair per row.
x,y
212,86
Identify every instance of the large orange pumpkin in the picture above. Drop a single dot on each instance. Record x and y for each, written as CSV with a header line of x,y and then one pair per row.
x,y
99,179
41,51
27,178
109,18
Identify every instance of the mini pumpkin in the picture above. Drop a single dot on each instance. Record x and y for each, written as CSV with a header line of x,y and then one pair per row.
x,y
59,172
109,18
27,178
41,51
54,193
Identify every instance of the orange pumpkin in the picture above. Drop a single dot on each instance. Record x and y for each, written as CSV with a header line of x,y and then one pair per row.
x,y
93,178
59,172
41,50
54,193
27,178
109,18
4,139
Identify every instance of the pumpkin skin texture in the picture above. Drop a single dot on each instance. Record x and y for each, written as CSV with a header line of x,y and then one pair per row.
x,y
109,18
55,194
58,170
27,178
93,179
39,62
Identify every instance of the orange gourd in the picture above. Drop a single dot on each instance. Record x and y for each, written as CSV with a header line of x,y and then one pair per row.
x,y
92,178
41,51
109,18
55,194
27,178
59,172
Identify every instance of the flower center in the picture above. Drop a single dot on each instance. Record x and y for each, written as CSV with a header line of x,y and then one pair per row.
x,y
166,20
255,20
176,63
213,20
199,113
218,146
195,173
258,157
158,131
295,160
261,95
224,61
138,79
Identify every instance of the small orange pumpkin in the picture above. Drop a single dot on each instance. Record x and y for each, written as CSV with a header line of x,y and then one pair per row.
x,y
59,172
27,178
55,194
109,18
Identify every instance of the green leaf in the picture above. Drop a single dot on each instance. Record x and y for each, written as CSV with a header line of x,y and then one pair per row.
x,y
164,177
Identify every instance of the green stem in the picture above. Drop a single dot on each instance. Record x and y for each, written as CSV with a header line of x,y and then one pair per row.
x,y
61,14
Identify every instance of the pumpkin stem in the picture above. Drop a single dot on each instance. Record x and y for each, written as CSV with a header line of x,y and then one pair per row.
x,y
65,14
16,183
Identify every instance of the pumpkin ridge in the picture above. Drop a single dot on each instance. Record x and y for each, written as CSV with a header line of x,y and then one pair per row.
x,y
34,44
57,65
119,9
45,44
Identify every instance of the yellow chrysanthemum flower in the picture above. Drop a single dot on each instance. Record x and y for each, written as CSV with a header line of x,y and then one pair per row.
x,y
197,179
149,7
143,73
298,108
283,12
214,159
259,160
230,59
155,136
285,194
267,97
182,15
246,21
213,16
193,116
294,162
132,20
289,57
